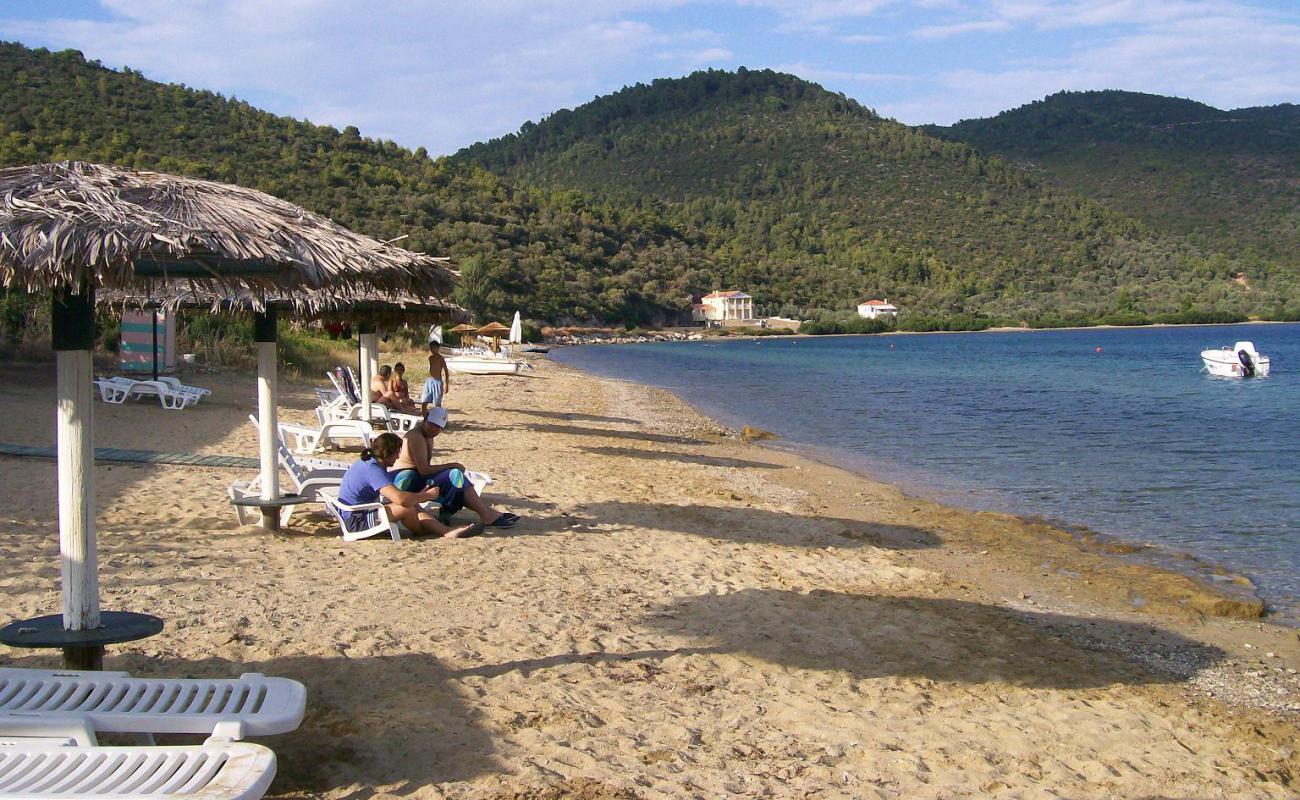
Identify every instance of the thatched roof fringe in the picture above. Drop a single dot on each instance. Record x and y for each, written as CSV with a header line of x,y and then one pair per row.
x,y
64,223
320,305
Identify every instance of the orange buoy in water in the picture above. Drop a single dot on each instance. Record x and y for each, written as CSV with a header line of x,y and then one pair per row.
x,y
1098,350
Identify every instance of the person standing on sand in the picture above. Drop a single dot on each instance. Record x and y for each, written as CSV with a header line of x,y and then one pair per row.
x,y
413,471
367,480
438,382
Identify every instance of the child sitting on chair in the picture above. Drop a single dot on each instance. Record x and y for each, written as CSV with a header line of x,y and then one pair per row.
x,y
399,385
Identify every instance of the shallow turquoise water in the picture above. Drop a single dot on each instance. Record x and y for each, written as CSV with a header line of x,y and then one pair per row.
x,y
1132,439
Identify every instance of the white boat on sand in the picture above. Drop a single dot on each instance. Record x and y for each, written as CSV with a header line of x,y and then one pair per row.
x,y
485,365
1242,360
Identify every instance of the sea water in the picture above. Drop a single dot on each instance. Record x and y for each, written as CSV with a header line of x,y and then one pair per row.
x,y
1118,430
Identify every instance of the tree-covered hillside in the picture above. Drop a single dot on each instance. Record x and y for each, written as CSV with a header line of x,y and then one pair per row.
x,y
1224,180
806,199
545,252
625,208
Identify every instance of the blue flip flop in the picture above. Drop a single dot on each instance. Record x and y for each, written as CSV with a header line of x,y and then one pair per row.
x,y
506,520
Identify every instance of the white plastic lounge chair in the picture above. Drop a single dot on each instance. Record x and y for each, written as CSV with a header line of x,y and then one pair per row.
x,y
42,763
169,397
307,481
114,390
348,406
307,476
176,385
304,440
115,702
383,524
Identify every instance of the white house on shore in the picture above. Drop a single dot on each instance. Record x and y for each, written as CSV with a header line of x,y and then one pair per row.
x,y
872,309
724,308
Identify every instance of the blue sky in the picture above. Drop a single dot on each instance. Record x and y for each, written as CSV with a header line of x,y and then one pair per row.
x,y
443,75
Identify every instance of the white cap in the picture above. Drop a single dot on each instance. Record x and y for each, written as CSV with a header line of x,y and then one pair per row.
x,y
438,416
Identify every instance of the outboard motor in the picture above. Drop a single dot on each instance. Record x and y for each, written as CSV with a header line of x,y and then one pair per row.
x,y
1247,365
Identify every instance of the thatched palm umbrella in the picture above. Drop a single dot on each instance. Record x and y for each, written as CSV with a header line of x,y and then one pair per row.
x,y
496,330
74,227
464,329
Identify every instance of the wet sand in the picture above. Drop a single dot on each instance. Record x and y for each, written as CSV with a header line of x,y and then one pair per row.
x,y
680,614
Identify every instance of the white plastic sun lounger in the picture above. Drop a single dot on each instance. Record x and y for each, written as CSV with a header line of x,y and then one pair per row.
x,y
40,764
311,440
115,702
306,475
169,397
115,389
176,385
346,406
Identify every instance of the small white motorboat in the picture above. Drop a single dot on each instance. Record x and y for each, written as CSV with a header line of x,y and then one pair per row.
x,y
485,365
1242,360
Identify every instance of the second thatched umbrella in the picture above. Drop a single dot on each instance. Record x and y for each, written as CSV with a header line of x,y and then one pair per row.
x,y
464,329
74,227
496,330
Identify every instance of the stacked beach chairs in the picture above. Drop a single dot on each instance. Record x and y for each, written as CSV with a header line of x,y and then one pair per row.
x,y
49,722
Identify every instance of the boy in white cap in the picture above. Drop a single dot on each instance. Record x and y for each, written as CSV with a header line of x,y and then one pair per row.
x,y
414,471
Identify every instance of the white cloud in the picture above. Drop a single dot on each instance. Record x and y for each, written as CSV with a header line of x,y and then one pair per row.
x,y
438,74
444,74
1228,62
958,28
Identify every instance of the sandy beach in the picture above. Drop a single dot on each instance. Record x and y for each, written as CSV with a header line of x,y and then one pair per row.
x,y
681,614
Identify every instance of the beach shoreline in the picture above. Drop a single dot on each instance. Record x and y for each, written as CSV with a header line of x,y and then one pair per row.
x,y
679,614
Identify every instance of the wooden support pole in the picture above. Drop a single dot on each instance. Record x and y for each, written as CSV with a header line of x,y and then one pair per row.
x,y
264,333
73,335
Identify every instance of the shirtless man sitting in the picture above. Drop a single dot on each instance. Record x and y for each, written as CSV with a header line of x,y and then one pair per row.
x,y
382,392
415,471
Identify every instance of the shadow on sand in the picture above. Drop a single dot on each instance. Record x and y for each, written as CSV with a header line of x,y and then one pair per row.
x,y
736,524
939,639
574,430
674,455
569,416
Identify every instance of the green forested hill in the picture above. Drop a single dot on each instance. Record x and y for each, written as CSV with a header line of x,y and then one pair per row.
x,y
545,252
1224,180
621,210
807,199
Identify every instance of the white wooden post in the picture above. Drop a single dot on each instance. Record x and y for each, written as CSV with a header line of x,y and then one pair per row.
x,y
73,335
76,470
267,419
365,340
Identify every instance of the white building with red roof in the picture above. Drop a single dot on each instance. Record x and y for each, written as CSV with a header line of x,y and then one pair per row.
x,y
872,309
722,308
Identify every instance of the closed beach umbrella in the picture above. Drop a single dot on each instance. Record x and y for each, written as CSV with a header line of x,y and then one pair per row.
x,y
516,330
73,228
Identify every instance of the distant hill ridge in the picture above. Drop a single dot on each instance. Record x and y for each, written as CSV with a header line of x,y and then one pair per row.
x,y
625,208
779,178
1225,180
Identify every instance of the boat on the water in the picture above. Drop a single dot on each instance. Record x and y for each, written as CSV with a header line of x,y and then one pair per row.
x,y
485,365
1242,360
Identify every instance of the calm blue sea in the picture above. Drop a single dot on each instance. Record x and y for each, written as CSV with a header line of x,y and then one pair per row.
x,y
1117,430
